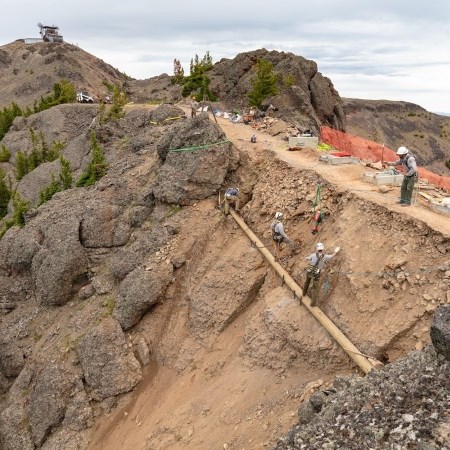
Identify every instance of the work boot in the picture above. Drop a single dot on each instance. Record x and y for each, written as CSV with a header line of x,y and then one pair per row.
x,y
406,204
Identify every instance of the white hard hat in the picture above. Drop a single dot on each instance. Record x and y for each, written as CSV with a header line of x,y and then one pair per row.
x,y
402,151
320,246
278,215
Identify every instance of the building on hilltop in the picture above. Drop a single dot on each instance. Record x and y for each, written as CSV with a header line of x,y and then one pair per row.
x,y
50,33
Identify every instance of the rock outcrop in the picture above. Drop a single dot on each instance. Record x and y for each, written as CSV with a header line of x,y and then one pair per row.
x,y
109,366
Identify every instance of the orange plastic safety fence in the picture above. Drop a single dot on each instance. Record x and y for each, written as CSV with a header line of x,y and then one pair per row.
x,y
372,151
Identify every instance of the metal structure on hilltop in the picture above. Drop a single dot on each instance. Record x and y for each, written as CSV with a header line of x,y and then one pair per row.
x,y
50,33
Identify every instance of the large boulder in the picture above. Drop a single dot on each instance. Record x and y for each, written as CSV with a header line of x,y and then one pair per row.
x,y
59,269
103,226
109,366
139,291
198,170
11,359
440,331
18,247
49,395
31,185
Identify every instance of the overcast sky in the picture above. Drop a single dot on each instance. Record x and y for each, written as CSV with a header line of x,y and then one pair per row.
x,y
384,49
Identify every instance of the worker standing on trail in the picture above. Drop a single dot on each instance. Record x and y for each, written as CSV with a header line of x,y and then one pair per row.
x,y
279,236
194,106
317,262
408,161
231,199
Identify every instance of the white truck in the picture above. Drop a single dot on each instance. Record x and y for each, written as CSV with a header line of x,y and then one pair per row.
x,y
84,97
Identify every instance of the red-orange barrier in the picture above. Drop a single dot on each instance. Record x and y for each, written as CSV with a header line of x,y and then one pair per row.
x,y
372,151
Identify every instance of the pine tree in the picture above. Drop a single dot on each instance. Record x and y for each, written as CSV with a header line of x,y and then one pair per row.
x,y
5,154
97,167
65,175
5,194
264,84
22,165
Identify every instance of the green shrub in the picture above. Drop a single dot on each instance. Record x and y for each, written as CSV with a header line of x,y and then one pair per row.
x,y
49,191
63,92
40,153
18,218
7,116
97,167
5,194
288,80
5,154
20,209
65,175
22,167
118,101
264,83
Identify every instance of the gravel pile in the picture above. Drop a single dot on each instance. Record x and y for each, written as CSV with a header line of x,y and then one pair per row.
x,y
406,405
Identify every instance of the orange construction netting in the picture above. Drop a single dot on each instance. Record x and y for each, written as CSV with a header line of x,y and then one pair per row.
x,y
373,152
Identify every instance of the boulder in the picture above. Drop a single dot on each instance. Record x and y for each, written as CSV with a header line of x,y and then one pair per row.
x,y
56,272
32,184
193,174
440,331
49,395
139,291
60,267
102,226
165,113
108,364
18,247
11,359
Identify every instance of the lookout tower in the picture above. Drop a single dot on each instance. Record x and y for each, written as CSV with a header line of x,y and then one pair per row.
x,y
50,33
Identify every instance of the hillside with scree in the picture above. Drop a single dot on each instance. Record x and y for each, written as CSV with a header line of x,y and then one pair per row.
x,y
134,314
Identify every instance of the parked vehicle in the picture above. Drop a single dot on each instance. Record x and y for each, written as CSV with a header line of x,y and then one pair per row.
x,y
84,97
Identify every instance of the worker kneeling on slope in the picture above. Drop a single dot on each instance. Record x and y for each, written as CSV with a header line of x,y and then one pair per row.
x,y
279,236
231,199
317,262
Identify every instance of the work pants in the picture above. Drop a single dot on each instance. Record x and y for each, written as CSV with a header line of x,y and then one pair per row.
x,y
231,200
407,189
315,286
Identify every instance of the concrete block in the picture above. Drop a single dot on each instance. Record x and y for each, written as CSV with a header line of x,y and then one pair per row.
x,y
303,141
338,160
379,178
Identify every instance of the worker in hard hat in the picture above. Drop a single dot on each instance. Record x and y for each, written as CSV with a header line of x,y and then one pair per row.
x,y
279,235
317,262
408,161
231,199
194,106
